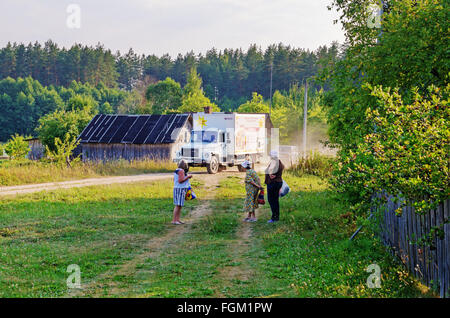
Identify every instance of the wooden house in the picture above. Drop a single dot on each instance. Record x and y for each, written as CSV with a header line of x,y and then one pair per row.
x,y
37,149
135,137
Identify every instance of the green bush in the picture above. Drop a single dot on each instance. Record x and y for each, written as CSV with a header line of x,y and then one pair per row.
x,y
386,137
17,147
60,123
64,149
406,154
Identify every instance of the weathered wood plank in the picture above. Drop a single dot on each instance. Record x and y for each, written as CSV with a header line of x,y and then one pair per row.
x,y
430,265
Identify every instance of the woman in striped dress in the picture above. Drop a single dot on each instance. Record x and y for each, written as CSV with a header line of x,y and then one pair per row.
x,y
180,186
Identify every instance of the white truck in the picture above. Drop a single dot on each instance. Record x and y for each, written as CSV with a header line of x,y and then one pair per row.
x,y
220,140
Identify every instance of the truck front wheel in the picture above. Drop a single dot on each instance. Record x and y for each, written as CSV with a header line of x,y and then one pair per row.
x,y
213,166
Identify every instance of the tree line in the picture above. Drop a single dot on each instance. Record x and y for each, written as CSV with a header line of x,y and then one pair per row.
x,y
229,76
24,101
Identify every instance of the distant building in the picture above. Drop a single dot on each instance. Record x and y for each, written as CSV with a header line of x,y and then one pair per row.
x,y
37,149
135,137
3,154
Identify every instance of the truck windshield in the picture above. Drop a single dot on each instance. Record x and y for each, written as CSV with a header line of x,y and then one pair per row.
x,y
204,136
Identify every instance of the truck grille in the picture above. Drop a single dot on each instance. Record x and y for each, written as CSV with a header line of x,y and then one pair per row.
x,y
189,152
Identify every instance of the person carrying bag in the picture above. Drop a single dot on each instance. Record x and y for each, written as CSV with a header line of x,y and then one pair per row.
x,y
181,186
274,182
252,189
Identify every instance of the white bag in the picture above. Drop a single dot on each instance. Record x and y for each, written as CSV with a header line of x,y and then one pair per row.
x,y
284,189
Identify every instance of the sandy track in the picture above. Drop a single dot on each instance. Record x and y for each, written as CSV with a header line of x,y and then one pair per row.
x,y
24,189
241,272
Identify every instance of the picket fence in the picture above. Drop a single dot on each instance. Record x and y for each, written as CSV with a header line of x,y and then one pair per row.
x,y
430,264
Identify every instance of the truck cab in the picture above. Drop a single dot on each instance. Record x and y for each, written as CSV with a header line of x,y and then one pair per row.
x,y
205,149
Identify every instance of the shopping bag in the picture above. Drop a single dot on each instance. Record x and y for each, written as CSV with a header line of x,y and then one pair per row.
x,y
261,200
190,195
284,189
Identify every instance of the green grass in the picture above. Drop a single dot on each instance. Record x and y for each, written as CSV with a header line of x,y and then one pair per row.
x,y
96,228
309,253
306,254
191,268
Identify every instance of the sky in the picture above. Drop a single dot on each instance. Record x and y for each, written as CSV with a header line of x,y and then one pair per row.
x,y
170,26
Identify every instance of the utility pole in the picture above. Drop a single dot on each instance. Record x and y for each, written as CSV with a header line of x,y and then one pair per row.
x,y
305,118
216,93
271,72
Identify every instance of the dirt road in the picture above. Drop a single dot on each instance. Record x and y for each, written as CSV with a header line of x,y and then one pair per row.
x,y
23,189
31,188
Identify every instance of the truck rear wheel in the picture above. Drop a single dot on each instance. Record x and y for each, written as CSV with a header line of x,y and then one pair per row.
x,y
213,166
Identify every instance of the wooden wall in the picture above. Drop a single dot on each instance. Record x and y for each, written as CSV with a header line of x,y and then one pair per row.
x,y
430,264
107,152
37,149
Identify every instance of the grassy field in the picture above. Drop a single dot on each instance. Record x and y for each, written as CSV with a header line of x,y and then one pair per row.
x,y
30,172
96,228
122,239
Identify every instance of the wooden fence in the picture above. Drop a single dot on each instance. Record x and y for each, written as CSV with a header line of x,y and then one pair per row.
x,y
430,264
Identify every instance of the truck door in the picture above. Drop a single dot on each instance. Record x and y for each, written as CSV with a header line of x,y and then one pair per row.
x,y
223,147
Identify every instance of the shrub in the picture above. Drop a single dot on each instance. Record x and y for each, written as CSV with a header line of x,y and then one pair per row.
x,y
17,147
64,149
406,154
59,123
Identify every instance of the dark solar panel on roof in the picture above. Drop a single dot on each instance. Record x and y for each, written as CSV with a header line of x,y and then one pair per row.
x,y
135,129
113,128
97,127
165,129
151,138
102,128
146,129
90,128
178,123
142,129
122,131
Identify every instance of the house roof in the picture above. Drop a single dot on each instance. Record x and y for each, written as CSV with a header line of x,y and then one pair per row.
x,y
133,129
